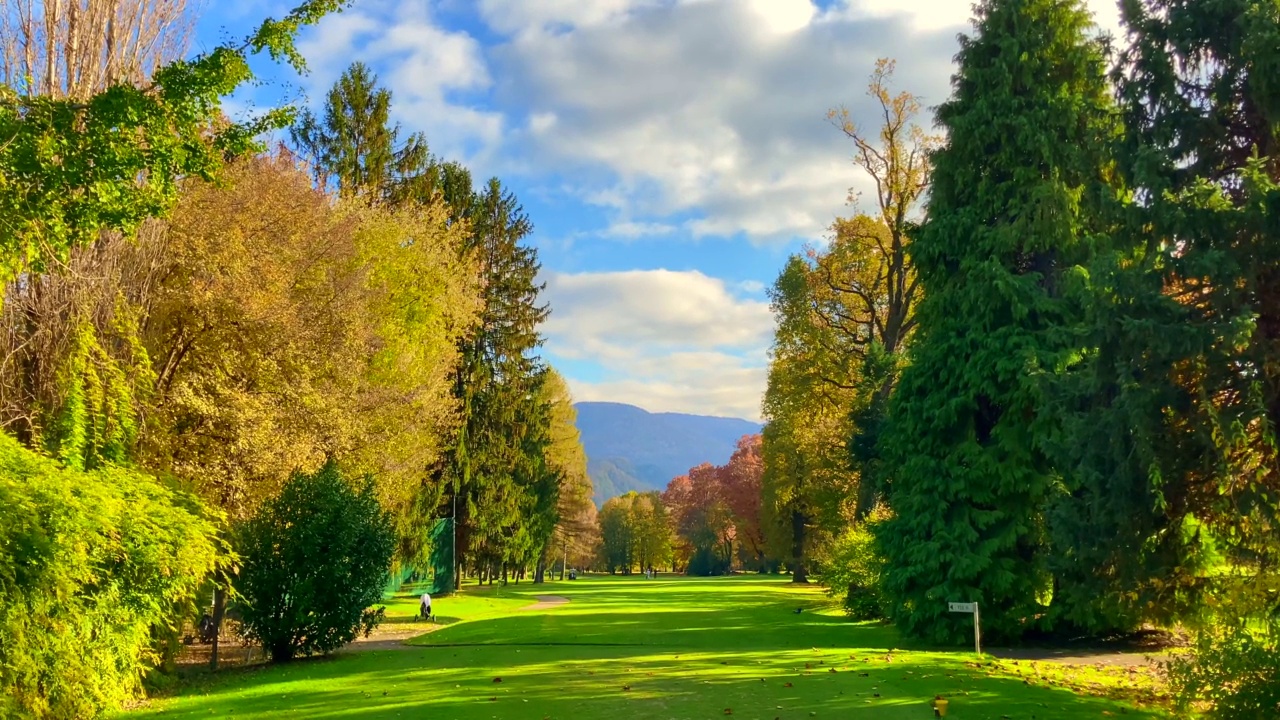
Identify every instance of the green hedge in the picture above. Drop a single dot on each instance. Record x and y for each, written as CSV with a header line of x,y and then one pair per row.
x,y
96,569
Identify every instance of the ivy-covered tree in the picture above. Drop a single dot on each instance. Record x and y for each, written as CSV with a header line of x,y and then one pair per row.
x,y
1009,214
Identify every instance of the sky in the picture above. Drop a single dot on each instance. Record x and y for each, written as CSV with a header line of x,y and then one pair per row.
x,y
670,153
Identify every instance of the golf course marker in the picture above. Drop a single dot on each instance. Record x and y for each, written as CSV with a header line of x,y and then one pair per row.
x,y
969,607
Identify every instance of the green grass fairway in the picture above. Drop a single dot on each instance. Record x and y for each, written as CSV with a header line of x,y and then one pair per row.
x,y
631,648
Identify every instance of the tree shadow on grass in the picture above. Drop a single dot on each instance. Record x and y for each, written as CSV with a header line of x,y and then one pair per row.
x,y
632,683
767,626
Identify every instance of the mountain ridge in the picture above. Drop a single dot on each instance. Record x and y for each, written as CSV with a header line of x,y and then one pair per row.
x,y
629,448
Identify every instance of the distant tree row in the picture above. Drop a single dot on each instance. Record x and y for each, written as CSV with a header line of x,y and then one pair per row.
x,y
705,523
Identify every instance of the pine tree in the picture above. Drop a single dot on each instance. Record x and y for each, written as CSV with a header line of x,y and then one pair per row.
x,y
356,145
506,489
1174,423
1008,216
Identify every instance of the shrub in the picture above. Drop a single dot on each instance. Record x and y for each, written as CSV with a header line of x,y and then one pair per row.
x,y
94,566
706,562
314,559
1232,670
852,568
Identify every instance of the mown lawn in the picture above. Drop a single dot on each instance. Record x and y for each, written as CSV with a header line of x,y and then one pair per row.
x,y
668,648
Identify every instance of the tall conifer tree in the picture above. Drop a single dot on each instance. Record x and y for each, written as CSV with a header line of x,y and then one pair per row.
x,y
498,461
1008,215
355,145
1174,427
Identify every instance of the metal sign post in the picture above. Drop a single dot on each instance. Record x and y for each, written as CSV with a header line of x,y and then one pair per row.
x,y
971,607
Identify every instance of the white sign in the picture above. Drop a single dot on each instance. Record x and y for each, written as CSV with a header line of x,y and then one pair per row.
x,y
970,607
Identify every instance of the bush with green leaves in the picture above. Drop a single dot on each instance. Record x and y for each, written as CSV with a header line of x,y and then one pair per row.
x,y
96,569
314,560
852,568
1232,671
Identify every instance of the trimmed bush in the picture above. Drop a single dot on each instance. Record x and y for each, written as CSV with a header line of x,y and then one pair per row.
x,y
314,561
96,568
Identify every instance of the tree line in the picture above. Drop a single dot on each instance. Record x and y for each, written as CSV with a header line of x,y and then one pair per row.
x,y
1037,369
707,522
202,333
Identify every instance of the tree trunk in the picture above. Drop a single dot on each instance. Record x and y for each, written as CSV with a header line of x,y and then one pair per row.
x,y
564,565
219,609
799,574
540,570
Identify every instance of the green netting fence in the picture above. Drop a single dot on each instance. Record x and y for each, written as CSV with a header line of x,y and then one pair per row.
x,y
436,575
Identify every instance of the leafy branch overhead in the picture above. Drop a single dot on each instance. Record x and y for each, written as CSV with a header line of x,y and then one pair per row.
x,y
72,167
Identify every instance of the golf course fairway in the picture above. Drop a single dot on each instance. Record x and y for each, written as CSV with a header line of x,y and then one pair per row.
x,y
669,648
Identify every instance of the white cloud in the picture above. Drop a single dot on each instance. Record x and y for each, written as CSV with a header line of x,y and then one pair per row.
x,y
629,230
541,123
725,388
422,64
666,341
930,15
716,107
709,107
656,308
923,15
512,16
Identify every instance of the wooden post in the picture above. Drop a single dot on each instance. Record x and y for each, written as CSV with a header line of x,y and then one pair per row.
x,y
977,634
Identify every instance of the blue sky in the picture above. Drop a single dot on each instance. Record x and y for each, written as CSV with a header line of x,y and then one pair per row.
x,y
671,153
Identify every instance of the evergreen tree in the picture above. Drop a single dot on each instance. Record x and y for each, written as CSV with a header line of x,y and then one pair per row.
x,y
1175,414
1008,215
505,486
356,146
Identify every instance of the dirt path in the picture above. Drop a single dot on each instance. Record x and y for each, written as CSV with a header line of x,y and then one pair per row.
x,y
546,601
1079,656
